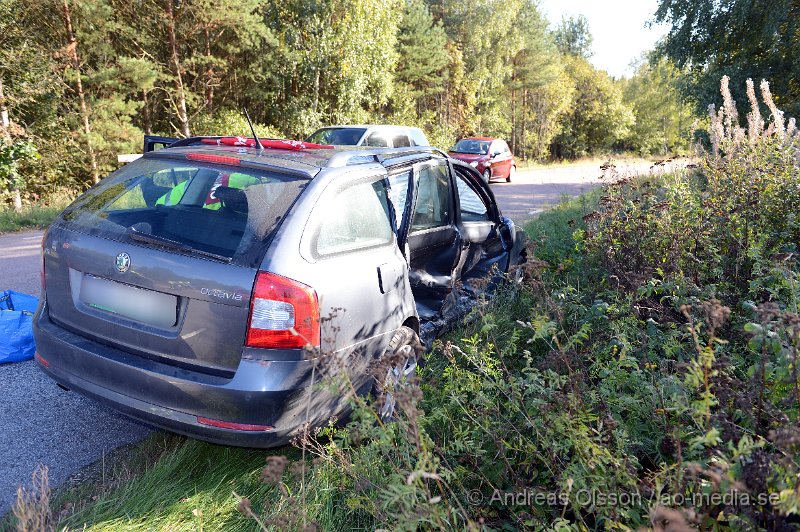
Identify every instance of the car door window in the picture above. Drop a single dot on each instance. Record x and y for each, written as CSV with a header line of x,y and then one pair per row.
x,y
433,206
401,141
472,207
398,193
357,217
377,140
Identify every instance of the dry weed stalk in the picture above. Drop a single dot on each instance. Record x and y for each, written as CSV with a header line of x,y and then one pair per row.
x,y
726,133
32,509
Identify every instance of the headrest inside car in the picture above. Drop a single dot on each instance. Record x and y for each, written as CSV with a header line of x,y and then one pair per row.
x,y
232,198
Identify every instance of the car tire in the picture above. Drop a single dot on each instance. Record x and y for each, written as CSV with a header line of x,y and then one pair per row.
x,y
402,352
511,173
487,175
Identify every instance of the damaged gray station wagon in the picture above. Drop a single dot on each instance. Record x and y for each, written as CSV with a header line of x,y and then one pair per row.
x,y
204,286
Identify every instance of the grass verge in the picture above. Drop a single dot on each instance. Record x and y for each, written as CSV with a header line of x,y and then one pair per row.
x,y
34,216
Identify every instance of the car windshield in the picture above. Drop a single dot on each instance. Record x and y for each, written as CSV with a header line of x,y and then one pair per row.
x,y
342,136
478,147
225,211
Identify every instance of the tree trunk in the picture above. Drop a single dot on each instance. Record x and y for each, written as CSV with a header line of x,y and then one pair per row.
x,y
147,119
316,88
513,136
524,125
180,105
209,74
72,49
4,121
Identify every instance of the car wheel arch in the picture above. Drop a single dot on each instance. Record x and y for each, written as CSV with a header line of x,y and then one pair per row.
x,y
412,322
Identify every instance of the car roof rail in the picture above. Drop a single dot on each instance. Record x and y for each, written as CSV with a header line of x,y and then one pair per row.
x,y
382,156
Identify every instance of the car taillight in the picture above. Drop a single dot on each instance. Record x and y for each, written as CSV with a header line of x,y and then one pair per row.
x,y
41,360
209,158
284,314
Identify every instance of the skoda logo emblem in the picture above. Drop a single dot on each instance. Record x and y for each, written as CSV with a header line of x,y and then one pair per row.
x,y
123,262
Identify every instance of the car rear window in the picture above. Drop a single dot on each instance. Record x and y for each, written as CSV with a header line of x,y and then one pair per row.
x,y
227,211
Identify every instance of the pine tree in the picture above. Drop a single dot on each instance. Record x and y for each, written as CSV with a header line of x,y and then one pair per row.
x,y
573,37
539,90
423,57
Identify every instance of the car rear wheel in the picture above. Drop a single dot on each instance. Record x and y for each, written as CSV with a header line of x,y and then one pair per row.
x,y
487,176
511,173
400,361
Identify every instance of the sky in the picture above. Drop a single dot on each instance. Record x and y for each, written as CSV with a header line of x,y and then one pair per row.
x,y
617,27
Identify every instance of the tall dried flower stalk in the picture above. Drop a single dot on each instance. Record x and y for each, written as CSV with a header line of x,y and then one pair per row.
x,y
777,114
755,123
726,133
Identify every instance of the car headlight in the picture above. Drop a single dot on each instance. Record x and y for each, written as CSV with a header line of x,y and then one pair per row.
x,y
474,164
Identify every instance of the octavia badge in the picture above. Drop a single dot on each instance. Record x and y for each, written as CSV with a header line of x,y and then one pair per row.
x,y
123,262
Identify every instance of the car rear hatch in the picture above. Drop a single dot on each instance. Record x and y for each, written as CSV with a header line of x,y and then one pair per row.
x,y
159,260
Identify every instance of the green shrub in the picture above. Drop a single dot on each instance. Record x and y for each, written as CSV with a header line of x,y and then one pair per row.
x,y
232,122
37,214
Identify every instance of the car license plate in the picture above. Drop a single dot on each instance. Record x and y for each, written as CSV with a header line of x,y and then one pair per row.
x,y
139,304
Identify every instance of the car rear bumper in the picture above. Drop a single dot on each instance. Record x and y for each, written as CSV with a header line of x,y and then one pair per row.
x,y
278,394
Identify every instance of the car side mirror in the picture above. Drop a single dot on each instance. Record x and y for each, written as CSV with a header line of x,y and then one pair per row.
x,y
495,154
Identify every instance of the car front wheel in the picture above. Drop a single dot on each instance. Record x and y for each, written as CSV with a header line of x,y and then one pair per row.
x,y
511,173
397,368
487,175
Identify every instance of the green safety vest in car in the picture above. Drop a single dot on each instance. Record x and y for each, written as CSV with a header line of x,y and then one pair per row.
x,y
233,180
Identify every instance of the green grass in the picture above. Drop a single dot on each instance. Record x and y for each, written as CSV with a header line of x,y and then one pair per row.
x,y
35,216
196,485
551,232
168,482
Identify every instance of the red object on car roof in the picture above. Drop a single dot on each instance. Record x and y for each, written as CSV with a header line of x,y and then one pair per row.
x,y
267,143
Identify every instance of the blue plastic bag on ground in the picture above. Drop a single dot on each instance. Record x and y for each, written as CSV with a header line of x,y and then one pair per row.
x,y
16,333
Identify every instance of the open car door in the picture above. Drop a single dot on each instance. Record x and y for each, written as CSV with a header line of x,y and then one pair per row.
x,y
431,236
154,142
487,237
452,234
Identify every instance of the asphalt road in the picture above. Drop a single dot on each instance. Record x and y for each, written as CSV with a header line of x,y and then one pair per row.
x,y
39,422
535,190
43,424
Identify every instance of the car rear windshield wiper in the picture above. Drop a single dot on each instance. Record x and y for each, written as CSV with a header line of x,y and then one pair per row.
x,y
172,244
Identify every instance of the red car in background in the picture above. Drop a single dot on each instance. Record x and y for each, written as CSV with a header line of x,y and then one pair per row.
x,y
491,157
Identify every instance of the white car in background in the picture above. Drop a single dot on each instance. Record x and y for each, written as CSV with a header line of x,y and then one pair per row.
x,y
378,136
